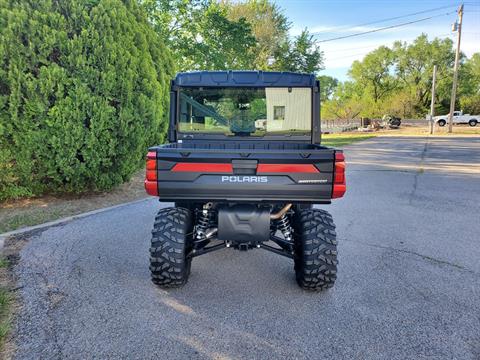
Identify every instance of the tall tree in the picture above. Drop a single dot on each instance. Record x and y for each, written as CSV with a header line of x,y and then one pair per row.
x,y
328,84
206,34
224,43
344,104
201,35
374,73
414,67
469,85
269,25
398,80
300,55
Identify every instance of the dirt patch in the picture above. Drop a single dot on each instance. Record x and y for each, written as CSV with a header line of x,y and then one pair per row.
x,y
348,137
415,130
33,211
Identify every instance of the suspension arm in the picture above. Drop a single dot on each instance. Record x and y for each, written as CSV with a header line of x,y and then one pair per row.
x,y
277,251
284,244
205,250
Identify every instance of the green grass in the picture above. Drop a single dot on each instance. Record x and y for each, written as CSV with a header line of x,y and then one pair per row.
x,y
37,217
342,139
5,301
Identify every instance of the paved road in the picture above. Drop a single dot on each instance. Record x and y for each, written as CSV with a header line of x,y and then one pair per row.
x,y
408,284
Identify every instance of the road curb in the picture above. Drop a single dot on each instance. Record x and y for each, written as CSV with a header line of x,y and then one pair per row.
x,y
64,220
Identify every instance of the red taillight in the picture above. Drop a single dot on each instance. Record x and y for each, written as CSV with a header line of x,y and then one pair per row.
x,y
152,155
151,175
151,184
286,168
339,183
151,187
339,173
151,164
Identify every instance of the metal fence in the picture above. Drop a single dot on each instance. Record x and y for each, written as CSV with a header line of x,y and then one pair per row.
x,y
340,125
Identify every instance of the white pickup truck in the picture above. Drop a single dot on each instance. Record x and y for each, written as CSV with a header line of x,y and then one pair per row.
x,y
458,118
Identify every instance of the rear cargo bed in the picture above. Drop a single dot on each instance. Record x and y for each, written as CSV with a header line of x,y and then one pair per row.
x,y
236,171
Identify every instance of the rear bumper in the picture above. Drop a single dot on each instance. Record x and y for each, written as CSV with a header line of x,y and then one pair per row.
x,y
303,175
244,192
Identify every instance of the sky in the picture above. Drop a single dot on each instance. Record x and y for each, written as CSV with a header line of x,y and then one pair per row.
x,y
334,18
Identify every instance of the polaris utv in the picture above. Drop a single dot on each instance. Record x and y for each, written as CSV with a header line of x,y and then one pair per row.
x,y
244,166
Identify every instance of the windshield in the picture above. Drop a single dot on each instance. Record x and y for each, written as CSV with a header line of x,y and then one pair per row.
x,y
245,111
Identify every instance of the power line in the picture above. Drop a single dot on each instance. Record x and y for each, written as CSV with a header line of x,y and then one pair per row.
x,y
388,19
346,56
348,49
389,42
384,28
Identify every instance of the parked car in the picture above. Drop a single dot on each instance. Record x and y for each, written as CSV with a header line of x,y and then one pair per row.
x,y
458,118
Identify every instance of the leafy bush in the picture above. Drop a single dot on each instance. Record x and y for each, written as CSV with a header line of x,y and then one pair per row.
x,y
83,92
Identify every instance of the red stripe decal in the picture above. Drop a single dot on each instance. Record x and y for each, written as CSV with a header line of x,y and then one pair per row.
x,y
203,167
286,168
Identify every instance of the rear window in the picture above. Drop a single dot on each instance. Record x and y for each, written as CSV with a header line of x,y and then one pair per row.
x,y
245,111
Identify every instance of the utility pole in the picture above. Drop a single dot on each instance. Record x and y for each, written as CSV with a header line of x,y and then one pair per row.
x,y
432,105
455,68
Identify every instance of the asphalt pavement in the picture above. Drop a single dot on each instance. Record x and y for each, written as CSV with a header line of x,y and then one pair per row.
x,y
408,284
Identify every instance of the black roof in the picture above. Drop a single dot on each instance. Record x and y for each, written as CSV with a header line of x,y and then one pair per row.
x,y
235,78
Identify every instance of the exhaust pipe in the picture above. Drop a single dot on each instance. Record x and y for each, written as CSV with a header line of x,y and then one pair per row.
x,y
282,212
210,233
